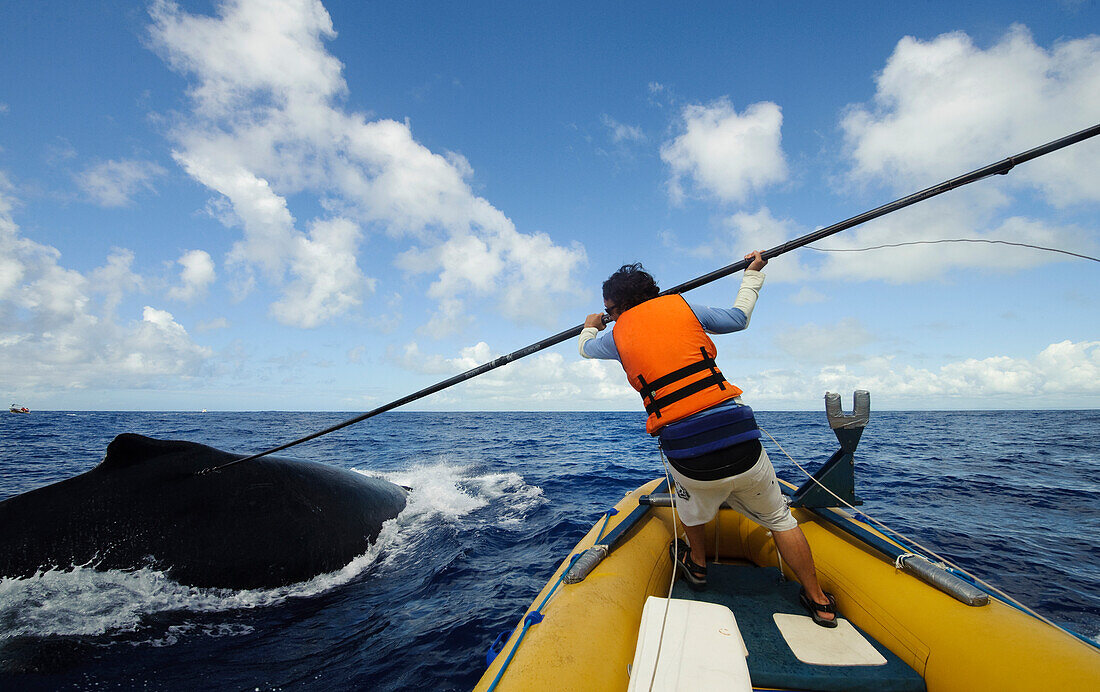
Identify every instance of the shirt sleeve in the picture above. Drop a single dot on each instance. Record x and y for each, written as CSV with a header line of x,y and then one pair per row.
x,y
736,318
595,344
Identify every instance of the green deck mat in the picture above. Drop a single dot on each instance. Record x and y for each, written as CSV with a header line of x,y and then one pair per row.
x,y
754,594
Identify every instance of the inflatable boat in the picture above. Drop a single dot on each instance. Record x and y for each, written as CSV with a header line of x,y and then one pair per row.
x,y
612,617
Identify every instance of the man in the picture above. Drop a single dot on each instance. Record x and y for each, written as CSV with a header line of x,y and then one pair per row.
x,y
709,436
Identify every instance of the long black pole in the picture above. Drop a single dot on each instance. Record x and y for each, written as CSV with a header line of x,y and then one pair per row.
x,y
999,168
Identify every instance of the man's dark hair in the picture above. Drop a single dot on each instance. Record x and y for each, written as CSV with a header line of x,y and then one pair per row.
x,y
631,285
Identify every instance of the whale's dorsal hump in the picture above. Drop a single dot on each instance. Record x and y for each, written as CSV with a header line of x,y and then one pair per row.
x,y
129,449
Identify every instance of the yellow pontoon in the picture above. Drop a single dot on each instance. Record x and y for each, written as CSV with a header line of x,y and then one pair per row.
x,y
907,623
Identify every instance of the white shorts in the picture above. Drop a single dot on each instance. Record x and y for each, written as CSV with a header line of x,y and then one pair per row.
x,y
755,493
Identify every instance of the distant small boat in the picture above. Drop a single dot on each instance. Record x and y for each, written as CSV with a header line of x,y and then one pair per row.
x,y
16,408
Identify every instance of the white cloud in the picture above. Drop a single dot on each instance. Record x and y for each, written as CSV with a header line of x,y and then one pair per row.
x,y
823,342
388,322
727,155
539,273
744,232
274,46
807,296
622,133
270,235
1069,367
266,123
212,325
116,279
53,335
761,231
196,275
114,183
945,106
159,346
1060,373
59,151
355,355
327,280
546,380
449,317
412,359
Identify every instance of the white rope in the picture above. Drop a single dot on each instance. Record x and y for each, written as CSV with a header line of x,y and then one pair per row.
x,y
717,533
675,559
928,551
899,563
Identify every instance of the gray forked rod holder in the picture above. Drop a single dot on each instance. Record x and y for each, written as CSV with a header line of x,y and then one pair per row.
x,y
856,419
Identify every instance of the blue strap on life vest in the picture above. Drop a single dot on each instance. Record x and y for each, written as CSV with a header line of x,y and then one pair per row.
x,y
709,431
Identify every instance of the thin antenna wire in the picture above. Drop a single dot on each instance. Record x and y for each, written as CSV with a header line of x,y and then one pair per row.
x,y
953,240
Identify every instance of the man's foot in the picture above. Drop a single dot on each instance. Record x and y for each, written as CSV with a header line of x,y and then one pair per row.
x,y
816,610
693,574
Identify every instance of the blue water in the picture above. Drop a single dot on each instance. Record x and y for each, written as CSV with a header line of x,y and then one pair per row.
x,y
498,500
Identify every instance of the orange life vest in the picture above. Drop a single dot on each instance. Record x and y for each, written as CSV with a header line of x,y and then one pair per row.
x,y
669,360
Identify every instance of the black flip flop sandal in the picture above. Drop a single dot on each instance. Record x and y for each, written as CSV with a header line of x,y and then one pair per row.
x,y
814,608
693,574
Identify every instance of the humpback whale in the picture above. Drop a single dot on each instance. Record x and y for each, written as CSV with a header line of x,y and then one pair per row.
x,y
268,522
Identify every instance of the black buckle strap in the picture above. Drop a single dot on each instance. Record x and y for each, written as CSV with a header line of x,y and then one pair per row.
x,y
713,368
649,390
654,408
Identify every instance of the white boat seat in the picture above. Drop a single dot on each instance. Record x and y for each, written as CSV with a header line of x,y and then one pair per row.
x,y
702,648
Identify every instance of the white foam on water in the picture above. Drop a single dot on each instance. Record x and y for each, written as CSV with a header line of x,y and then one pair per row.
x,y
518,499
448,491
82,601
453,494
438,491
215,631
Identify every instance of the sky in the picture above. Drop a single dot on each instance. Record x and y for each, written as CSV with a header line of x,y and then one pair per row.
x,y
297,205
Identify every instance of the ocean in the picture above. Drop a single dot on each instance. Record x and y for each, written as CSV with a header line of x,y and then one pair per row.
x,y
498,500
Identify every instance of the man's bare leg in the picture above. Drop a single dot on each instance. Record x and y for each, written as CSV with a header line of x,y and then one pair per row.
x,y
796,552
697,538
